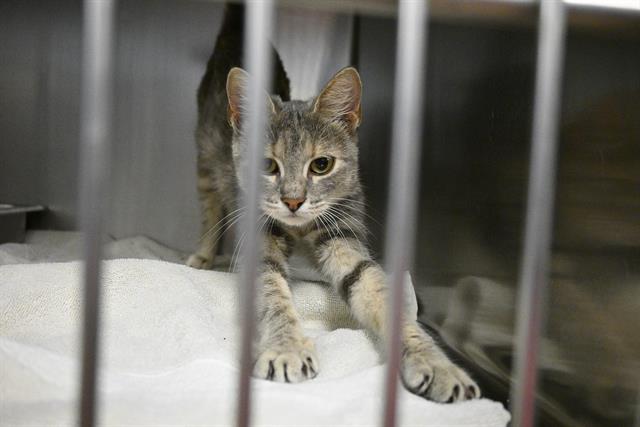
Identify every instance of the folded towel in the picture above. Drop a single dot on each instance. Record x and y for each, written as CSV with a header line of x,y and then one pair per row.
x,y
60,246
169,353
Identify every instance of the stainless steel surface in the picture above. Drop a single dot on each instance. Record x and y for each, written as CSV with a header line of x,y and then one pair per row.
x,y
13,209
39,105
13,222
474,168
637,422
161,52
13,227
95,140
259,19
405,155
313,46
472,198
616,17
534,277
622,5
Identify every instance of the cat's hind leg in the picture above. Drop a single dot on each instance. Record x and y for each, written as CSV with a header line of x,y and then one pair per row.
x,y
212,225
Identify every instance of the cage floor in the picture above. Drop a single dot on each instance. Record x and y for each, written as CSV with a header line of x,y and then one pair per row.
x,y
169,346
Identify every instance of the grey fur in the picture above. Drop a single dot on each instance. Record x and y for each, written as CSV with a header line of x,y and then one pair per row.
x,y
329,221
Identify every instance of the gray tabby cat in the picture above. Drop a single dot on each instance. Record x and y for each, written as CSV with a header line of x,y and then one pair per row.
x,y
312,198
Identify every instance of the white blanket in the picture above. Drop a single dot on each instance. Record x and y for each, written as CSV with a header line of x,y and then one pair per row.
x,y
169,353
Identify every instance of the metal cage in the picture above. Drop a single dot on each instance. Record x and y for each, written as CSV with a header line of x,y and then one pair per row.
x,y
413,17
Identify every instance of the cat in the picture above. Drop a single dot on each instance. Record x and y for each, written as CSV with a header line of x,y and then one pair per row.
x,y
312,197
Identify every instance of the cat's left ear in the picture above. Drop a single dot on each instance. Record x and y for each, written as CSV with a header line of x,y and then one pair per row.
x,y
340,99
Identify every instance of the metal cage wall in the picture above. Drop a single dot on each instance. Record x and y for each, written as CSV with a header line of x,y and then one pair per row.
x,y
407,130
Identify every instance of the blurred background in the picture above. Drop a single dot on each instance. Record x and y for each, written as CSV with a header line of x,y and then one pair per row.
x,y
481,67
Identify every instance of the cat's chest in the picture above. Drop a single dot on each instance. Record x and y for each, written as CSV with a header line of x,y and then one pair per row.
x,y
302,263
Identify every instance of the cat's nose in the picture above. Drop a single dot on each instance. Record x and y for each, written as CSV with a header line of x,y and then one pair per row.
x,y
293,204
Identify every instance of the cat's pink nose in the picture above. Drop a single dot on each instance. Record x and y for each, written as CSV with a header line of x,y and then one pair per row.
x,y
293,204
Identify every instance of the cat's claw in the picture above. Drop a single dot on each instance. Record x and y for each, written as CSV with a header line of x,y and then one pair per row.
x,y
199,261
290,365
440,381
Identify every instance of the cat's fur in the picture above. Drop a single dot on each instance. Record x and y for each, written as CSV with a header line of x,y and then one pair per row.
x,y
329,221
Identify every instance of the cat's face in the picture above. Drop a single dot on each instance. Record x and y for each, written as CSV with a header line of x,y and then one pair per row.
x,y
311,154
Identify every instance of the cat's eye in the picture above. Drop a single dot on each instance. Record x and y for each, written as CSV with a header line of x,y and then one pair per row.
x,y
321,165
270,166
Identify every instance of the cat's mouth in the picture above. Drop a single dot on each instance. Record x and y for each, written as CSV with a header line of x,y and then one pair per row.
x,y
295,219
298,218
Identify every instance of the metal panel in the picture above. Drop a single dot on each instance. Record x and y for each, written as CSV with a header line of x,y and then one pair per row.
x,y
313,46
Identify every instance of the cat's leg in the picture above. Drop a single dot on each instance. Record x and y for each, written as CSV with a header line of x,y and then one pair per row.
x,y
211,214
425,369
284,353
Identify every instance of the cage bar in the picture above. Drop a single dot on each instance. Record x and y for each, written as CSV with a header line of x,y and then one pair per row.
x,y
259,19
534,274
405,157
97,67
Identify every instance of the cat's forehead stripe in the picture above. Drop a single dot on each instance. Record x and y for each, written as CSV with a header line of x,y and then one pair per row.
x,y
298,134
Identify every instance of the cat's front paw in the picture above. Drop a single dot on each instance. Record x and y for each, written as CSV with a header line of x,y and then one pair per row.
x,y
200,261
290,363
437,378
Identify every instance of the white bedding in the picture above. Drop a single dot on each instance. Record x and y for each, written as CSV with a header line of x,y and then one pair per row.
x,y
168,348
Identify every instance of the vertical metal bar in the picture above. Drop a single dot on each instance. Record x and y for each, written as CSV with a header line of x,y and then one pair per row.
x,y
95,163
539,220
405,157
354,54
637,422
259,21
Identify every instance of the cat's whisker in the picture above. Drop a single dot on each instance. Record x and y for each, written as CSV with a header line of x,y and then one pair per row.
x,y
326,228
225,228
235,258
333,219
336,231
218,224
363,213
270,223
351,205
361,207
346,199
347,203
358,225
236,252
355,221
350,199
228,227
348,221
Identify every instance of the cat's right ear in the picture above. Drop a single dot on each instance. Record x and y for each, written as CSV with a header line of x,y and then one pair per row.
x,y
237,85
